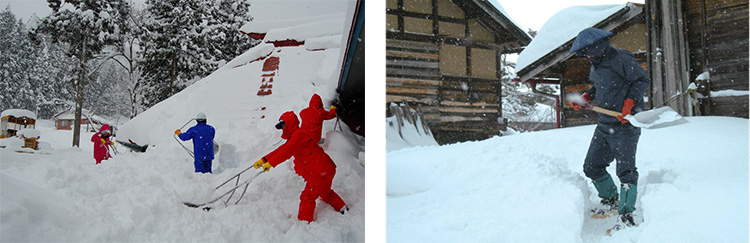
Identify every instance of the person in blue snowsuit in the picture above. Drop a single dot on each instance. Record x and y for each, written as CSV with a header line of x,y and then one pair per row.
x,y
619,84
202,135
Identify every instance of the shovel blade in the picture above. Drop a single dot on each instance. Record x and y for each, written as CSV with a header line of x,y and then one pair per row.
x,y
656,118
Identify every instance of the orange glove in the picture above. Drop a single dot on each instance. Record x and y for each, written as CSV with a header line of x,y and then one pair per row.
x,y
627,106
111,143
177,132
578,107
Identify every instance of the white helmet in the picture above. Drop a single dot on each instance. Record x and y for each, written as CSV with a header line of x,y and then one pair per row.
x,y
200,116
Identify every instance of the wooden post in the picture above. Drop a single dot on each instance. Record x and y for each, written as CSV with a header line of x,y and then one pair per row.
x,y
667,48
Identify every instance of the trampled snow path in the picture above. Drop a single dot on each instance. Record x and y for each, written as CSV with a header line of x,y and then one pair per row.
x,y
530,187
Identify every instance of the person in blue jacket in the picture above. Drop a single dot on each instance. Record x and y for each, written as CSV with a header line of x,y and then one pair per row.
x,y
202,135
619,84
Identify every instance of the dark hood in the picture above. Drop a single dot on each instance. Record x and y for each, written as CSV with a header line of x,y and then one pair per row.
x,y
590,41
292,123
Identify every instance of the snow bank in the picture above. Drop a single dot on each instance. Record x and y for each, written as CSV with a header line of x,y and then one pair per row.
x,y
325,42
531,188
29,133
563,27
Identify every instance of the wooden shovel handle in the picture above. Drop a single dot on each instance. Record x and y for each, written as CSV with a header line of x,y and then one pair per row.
x,y
605,111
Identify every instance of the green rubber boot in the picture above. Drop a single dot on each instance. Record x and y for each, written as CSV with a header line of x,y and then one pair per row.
x,y
628,194
606,188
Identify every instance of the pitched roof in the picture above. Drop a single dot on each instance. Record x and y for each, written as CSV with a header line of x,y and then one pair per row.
x,y
554,39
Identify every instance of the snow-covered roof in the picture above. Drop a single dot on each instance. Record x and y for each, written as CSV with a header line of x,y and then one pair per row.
x,y
563,27
18,113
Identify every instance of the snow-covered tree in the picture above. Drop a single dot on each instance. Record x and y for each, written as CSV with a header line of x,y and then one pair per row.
x,y
16,62
174,53
224,39
126,54
186,40
86,27
32,73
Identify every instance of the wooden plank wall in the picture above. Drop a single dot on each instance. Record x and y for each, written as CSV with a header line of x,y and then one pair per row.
x,y
459,97
717,33
412,75
469,105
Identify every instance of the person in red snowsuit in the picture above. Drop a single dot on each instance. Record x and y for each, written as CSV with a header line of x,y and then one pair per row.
x,y
310,162
101,144
314,115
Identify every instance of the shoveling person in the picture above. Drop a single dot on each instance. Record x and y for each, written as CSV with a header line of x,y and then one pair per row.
x,y
202,135
619,84
102,143
310,162
314,115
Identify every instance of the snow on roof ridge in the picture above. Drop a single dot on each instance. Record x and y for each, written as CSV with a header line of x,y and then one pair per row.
x,y
563,27
304,31
265,26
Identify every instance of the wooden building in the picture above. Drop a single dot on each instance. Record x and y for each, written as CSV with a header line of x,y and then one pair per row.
x,y
444,58
690,37
558,66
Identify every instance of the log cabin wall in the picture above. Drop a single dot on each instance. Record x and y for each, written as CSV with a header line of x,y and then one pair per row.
x,y
717,40
442,56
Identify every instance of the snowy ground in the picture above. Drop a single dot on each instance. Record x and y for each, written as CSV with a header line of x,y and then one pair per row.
x,y
134,197
530,187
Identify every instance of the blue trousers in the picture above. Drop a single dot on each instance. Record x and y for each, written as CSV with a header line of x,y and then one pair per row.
x,y
203,166
613,142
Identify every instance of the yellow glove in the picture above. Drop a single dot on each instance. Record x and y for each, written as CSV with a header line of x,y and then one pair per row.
x,y
258,163
177,132
266,167
333,107
111,143
104,142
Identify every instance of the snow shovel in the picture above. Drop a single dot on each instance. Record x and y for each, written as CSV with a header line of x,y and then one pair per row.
x,y
237,185
656,118
650,119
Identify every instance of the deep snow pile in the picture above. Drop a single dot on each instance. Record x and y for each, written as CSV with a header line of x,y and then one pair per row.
x,y
63,196
693,187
